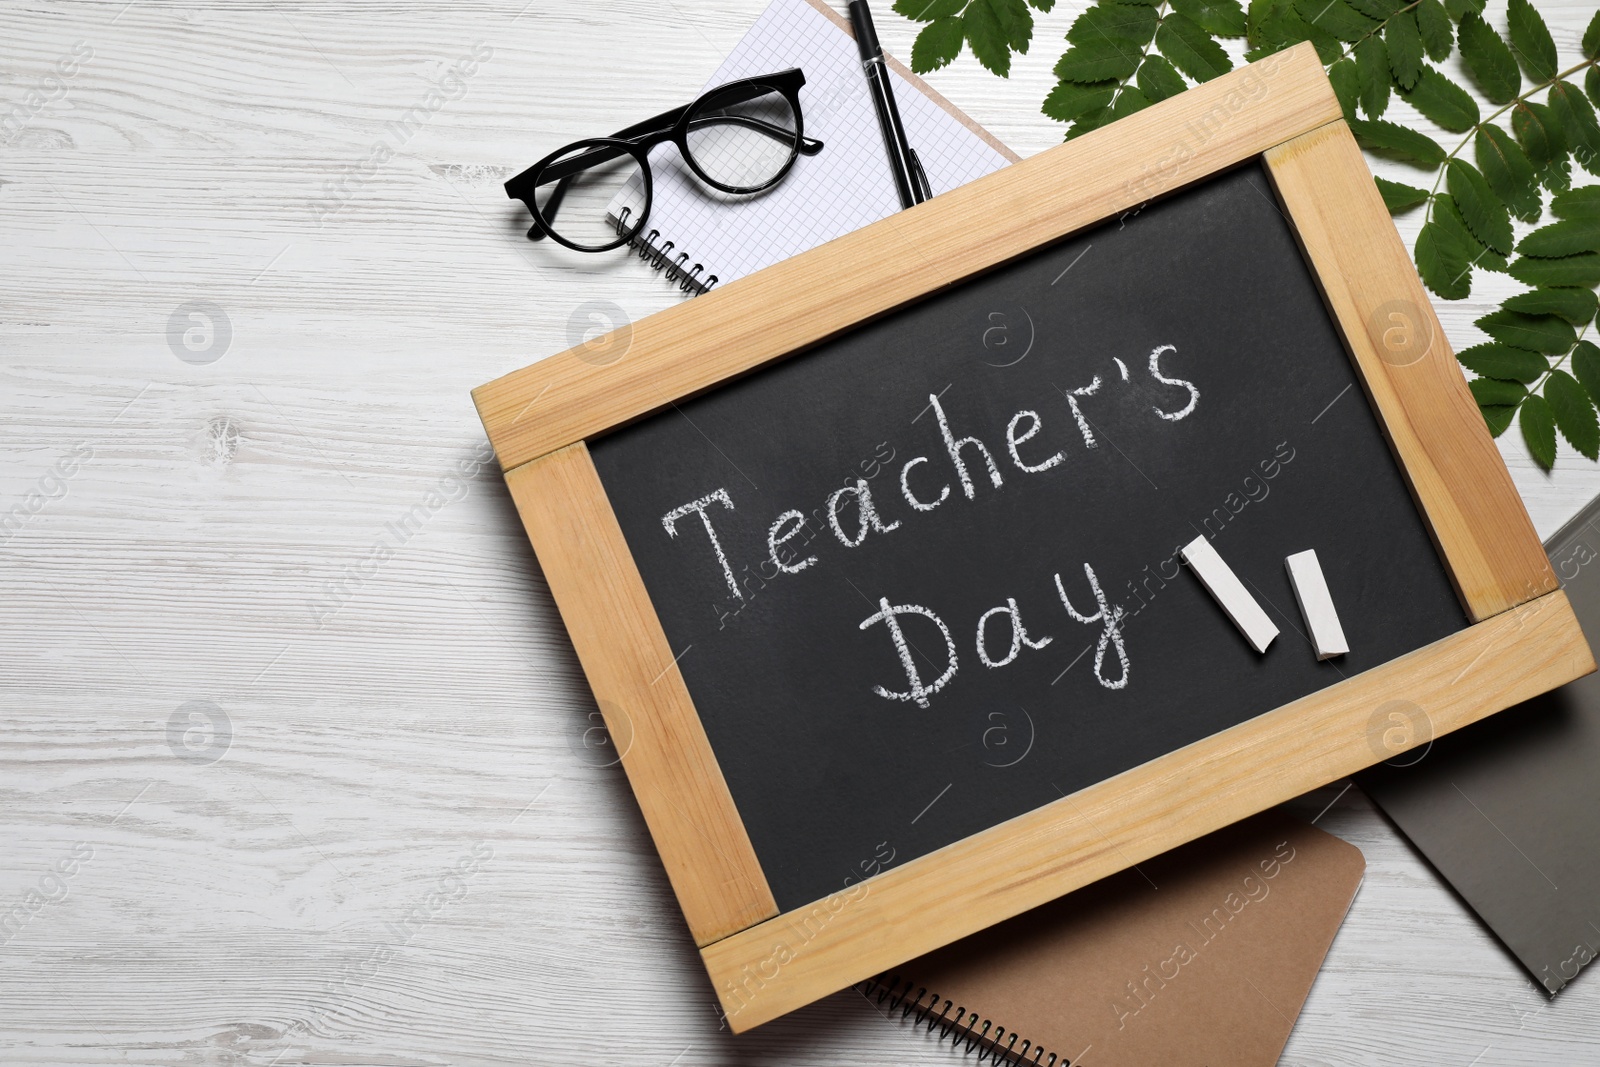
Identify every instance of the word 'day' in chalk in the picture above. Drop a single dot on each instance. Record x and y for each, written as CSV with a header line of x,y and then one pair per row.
x,y
1230,592
1311,590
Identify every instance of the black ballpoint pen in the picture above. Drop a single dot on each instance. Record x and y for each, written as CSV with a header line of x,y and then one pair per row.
x,y
909,180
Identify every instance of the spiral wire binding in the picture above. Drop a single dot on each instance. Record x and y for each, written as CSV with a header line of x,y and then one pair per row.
x,y
980,1037
659,258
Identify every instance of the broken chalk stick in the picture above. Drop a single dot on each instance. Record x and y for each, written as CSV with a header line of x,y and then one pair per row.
x,y
1235,599
1311,590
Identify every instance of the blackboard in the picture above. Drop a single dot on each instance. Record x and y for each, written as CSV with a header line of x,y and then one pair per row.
x,y
1226,405
868,830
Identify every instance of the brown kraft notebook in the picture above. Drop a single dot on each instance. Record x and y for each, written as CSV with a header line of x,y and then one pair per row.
x,y
1200,957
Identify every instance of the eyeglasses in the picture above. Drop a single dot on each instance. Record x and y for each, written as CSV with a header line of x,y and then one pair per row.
x,y
740,139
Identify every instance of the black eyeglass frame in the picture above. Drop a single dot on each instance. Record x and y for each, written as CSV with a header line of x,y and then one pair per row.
x,y
639,139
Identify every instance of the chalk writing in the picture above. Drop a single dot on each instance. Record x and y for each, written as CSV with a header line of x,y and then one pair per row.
x,y
698,507
854,513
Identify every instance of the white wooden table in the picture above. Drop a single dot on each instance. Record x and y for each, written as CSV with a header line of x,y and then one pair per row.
x,y
284,693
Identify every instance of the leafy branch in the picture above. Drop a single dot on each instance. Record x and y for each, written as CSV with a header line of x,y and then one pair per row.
x,y
1470,212
1124,55
993,29
1110,70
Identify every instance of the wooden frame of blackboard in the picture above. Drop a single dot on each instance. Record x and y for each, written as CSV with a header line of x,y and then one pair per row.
x,y
1280,110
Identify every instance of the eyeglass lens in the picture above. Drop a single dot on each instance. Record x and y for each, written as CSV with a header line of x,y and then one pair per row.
x,y
586,208
741,139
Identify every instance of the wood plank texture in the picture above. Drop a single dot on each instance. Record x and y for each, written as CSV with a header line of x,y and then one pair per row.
x,y
648,712
794,304
1410,372
806,954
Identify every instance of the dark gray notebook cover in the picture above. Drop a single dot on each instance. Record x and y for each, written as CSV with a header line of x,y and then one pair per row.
x,y
1508,809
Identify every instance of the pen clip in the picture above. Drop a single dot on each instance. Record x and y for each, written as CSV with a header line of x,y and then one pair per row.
x,y
919,175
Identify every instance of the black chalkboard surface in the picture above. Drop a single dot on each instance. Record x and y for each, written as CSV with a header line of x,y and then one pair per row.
x,y
1170,374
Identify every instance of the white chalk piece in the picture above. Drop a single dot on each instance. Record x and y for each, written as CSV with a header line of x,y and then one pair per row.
x,y
1311,590
1230,592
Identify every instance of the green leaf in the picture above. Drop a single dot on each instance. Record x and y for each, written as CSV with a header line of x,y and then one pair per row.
x,y
996,28
1508,171
1578,126
1128,101
1502,361
1346,84
1549,334
1404,41
1555,175
1092,121
1399,198
1577,306
1158,80
1262,25
1537,132
1539,430
1336,17
1377,10
1277,25
1447,214
1071,100
1574,413
1122,22
1578,204
1582,270
1530,38
1493,392
1591,85
928,10
1372,68
1098,61
1488,60
1191,49
1443,263
1405,144
1485,215
1440,99
988,40
1591,38
1438,35
1015,20
937,45
1497,418
1042,5
1459,9
1565,238
1586,367
1223,18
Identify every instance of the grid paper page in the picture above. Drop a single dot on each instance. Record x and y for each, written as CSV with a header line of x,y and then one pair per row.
x,y
844,187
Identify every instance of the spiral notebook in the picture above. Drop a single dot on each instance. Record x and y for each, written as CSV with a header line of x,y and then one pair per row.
x,y
1199,957
700,239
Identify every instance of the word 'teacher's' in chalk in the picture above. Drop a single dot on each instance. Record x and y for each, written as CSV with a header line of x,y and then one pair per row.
x,y
1235,599
1311,590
